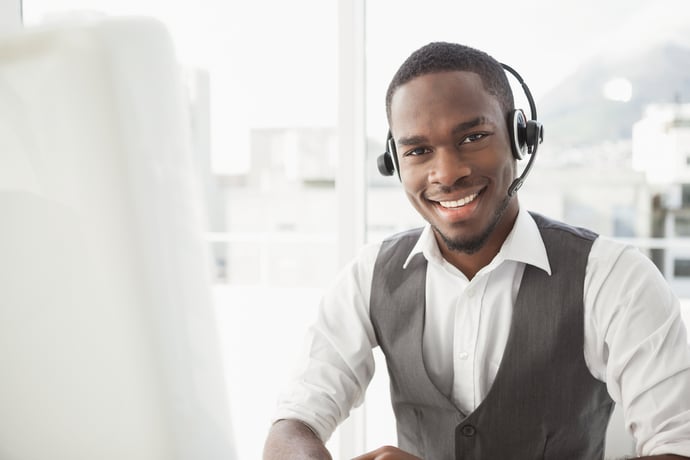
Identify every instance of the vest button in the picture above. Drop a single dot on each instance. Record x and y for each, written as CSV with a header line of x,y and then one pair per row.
x,y
469,431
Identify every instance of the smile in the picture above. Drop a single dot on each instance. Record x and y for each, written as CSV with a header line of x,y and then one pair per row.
x,y
459,203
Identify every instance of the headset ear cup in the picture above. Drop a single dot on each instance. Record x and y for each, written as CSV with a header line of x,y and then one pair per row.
x,y
385,164
534,134
517,129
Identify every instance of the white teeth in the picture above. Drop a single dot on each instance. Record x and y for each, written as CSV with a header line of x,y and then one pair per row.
x,y
459,203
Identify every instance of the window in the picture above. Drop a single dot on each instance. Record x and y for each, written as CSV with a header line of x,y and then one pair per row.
x,y
589,91
682,225
681,268
685,195
265,82
263,91
623,221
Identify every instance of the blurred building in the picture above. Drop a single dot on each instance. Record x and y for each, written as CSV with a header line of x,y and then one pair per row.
x,y
280,216
661,149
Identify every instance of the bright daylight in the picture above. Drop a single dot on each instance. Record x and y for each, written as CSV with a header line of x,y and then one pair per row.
x,y
344,229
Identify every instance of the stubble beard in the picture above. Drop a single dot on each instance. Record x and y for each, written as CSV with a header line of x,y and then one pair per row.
x,y
473,244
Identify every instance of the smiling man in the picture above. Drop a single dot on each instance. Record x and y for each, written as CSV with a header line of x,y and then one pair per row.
x,y
455,163
506,334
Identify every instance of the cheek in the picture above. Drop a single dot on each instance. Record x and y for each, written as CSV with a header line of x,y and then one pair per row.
x,y
411,179
511,170
498,168
506,167
414,188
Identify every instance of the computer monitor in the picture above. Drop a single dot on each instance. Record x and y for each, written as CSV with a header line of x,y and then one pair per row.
x,y
108,345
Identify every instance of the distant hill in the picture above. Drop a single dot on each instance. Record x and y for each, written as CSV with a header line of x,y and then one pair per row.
x,y
575,113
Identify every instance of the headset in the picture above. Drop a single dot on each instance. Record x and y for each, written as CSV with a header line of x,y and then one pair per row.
x,y
525,137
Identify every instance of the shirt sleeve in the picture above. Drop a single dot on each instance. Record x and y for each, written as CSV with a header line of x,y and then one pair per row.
x,y
337,363
636,342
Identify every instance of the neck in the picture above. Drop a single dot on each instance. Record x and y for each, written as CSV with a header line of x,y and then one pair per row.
x,y
470,263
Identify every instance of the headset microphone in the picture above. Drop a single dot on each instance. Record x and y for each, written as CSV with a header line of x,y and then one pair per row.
x,y
525,137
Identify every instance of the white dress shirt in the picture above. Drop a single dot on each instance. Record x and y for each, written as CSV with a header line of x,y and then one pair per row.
x,y
635,339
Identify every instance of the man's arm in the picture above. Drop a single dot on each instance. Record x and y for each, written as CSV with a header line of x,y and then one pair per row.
x,y
292,439
637,343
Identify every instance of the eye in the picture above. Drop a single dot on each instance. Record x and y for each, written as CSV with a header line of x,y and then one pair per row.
x,y
475,137
416,151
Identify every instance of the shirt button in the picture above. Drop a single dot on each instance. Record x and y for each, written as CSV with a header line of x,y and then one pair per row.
x,y
464,355
470,292
468,430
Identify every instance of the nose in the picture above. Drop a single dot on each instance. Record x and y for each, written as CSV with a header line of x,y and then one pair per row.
x,y
448,167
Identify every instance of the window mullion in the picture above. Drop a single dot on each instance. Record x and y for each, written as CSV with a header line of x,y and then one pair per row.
x,y
350,177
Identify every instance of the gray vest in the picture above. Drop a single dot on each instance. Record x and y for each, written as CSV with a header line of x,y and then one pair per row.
x,y
543,404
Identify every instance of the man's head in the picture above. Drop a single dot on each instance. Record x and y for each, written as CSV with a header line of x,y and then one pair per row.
x,y
443,56
447,109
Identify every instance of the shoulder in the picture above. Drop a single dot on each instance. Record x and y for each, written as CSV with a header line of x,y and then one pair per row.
x,y
548,226
411,235
622,279
362,264
361,267
621,259
396,249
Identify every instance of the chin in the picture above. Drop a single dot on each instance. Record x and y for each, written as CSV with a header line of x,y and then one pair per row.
x,y
465,245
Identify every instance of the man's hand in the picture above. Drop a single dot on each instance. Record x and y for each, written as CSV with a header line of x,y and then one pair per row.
x,y
387,453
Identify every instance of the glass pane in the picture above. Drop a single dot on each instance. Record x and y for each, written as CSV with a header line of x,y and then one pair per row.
x,y
590,90
681,268
263,98
682,225
610,92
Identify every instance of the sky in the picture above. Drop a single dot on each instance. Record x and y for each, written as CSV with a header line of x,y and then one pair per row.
x,y
544,40
274,63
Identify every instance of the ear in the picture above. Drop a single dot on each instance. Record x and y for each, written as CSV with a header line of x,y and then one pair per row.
x,y
517,132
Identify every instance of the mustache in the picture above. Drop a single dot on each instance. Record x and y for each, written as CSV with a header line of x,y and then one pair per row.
x,y
461,185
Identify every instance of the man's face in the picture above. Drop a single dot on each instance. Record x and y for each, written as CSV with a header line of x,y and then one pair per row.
x,y
455,159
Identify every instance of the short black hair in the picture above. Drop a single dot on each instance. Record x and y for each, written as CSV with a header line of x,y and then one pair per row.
x,y
447,57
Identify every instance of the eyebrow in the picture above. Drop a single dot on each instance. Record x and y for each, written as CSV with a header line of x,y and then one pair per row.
x,y
457,129
465,125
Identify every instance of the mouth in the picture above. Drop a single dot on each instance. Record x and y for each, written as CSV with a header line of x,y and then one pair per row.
x,y
452,204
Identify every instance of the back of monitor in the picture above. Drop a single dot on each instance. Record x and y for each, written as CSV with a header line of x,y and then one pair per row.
x,y
108,346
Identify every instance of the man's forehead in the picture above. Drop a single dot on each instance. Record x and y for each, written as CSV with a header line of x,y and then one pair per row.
x,y
439,85
461,77
441,91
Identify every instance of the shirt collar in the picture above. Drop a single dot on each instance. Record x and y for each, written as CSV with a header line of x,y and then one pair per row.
x,y
523,244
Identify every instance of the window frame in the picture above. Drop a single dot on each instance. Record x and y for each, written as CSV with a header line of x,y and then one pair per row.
x,y
350,183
